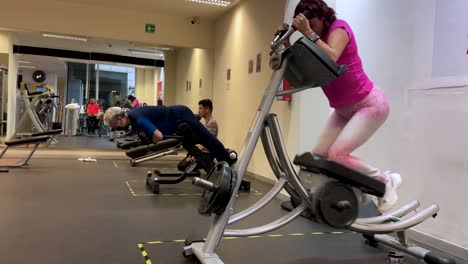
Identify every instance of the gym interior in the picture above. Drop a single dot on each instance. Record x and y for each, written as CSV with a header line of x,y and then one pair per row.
x,y
75,190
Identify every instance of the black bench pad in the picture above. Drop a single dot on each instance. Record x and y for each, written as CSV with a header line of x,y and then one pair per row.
x,y
316,163
27,140
47,133
145,150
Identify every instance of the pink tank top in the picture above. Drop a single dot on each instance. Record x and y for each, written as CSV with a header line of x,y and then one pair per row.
x,y
354,85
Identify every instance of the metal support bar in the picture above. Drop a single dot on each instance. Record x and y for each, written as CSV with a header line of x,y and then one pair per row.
x,y
24,161
393,243
272,157
154,156
260,203
284,160
216,232
268,227
402,211
398,226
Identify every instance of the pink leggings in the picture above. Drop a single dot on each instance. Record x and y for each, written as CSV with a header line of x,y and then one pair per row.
x,y
351,126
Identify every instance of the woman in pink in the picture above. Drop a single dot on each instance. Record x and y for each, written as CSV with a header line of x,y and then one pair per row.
x,y
360,107
134,103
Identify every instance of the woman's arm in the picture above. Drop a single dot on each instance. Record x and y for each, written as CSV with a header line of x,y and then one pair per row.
x,y
149,130
337,41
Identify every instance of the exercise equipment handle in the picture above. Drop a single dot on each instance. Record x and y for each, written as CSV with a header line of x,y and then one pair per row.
x,y
277,41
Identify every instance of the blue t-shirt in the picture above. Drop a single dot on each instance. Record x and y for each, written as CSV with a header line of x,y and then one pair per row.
x,y
151,118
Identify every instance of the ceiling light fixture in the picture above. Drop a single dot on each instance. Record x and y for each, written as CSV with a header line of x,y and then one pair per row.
x,y
29,67
68,37
212,2
155,48
27,62
146,52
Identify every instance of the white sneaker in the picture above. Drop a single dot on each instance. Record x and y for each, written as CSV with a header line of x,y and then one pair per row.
x,y
390,198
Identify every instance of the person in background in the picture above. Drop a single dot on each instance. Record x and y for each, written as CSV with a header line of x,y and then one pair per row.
x,y
92,111
134,103
205,111
153,122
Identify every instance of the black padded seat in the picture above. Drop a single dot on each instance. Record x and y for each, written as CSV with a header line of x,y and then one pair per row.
x,y
165,144
129,145
28,140
160,146
319,164
47,133
309,66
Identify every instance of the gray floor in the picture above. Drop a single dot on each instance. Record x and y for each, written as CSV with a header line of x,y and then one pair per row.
x,y
84,142
67,211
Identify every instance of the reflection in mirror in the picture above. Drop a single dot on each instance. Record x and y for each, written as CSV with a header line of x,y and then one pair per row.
x,y
70,93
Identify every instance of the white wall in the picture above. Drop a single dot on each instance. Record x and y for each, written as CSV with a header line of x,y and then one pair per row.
x,y
240,35
145,85
6,46
193,65
170,72
425,136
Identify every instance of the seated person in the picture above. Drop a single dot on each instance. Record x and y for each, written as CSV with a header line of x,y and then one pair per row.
x,y
92,111
134,103
153,122
205,111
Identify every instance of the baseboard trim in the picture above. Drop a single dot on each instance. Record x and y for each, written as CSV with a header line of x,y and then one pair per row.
x,y
415,235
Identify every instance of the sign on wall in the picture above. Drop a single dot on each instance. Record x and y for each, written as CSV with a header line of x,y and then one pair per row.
x,y
150,28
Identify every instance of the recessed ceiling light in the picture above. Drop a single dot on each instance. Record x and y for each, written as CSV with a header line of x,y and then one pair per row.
x,y
146,52
29,67
68,37
212,2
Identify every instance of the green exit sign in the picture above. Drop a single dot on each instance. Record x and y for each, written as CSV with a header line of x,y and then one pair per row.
x,y
150,28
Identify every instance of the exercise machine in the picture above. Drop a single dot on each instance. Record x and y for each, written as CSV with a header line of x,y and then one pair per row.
x,y
36,140
325,190
39,107
202,161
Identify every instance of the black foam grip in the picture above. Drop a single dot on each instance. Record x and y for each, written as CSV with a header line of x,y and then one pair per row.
x,y
432,258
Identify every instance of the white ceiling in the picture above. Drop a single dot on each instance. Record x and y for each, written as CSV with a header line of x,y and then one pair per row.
x,y
167,7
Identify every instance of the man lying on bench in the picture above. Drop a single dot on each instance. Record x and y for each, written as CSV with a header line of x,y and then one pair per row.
x,y
153,122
